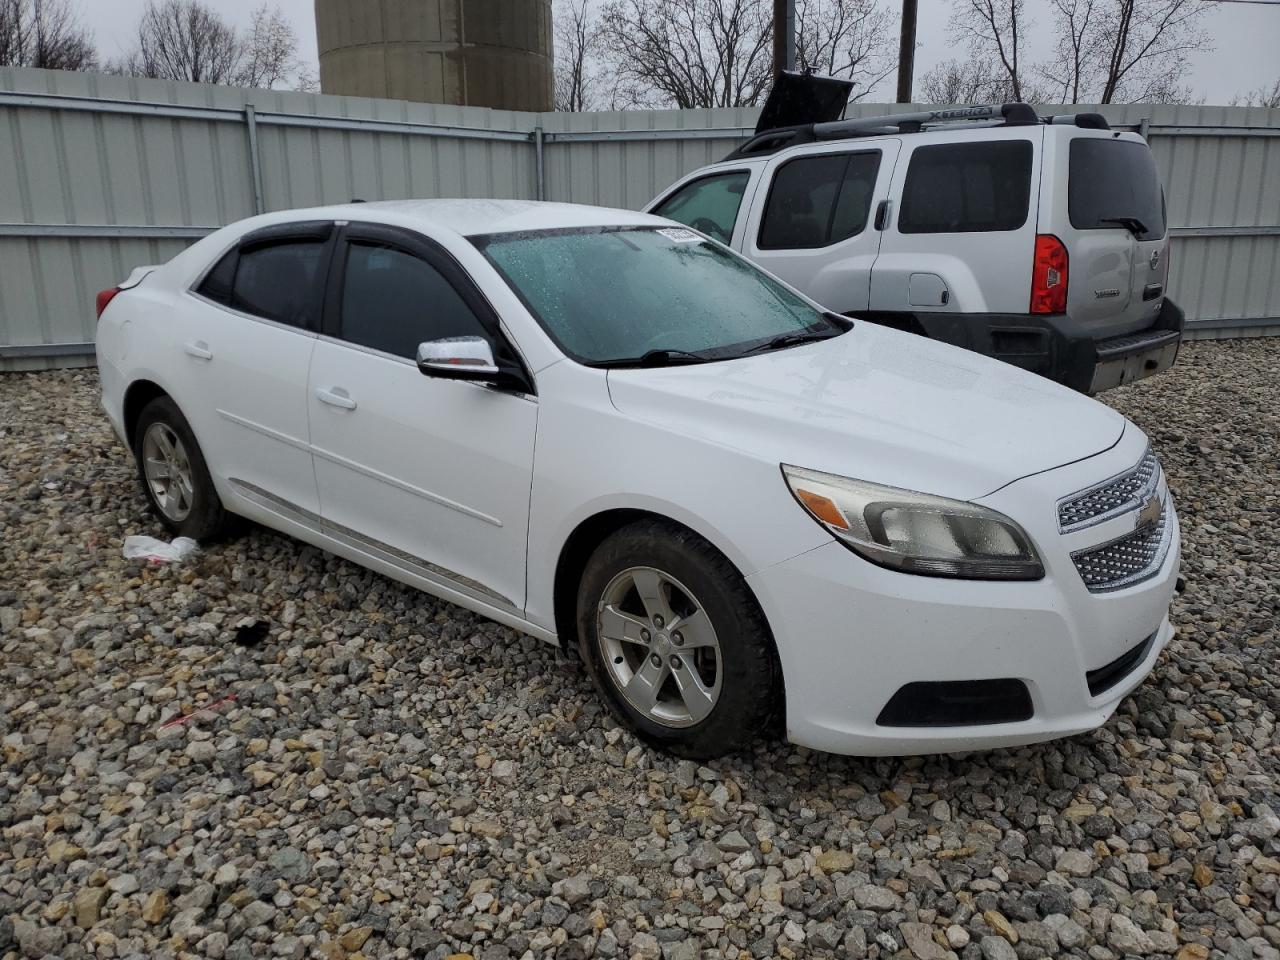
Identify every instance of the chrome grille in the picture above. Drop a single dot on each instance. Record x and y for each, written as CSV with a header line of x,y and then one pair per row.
x,y
1127,560
1113,497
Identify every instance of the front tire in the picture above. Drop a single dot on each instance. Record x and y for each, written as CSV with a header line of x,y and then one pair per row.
x,y
174,473
675,642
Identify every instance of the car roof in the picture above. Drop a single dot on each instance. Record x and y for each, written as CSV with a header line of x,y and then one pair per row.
x,y
469,218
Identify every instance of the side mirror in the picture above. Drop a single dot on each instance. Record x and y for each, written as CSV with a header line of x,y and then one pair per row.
x,y
458,358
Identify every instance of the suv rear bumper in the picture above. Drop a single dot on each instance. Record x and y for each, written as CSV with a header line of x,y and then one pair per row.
x,y
1055,346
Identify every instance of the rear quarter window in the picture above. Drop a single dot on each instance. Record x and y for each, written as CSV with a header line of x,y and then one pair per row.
x,y
967,187
1114,180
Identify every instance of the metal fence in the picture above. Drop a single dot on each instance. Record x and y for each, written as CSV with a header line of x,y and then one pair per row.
x,y
101,173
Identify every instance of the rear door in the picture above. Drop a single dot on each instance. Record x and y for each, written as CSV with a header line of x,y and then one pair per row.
x,y
1106,205
245,359
812,222
962,233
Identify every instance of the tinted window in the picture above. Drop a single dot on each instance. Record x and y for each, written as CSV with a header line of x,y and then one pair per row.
x,y
815,201
393,301
710,204
967,187
281,281
1114,178
608,294
217,283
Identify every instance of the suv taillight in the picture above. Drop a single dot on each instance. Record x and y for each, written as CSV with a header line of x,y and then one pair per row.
x,y
105,297
1049,276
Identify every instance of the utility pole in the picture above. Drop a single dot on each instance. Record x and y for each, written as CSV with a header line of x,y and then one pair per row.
x,y
907,51
784,35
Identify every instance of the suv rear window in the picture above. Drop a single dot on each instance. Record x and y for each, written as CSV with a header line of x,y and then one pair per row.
x,y
1114,180
967,188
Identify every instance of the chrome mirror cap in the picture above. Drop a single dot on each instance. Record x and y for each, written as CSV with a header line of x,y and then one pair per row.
x,y
458,358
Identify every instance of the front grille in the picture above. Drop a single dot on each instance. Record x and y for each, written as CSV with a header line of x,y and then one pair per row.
x,y
1115,496
1125,561
1106,677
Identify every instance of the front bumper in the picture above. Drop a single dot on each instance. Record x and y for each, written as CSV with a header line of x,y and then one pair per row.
x,y
1059,348
851,635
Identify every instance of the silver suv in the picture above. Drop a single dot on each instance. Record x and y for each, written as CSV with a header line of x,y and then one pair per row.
x,y
1037,240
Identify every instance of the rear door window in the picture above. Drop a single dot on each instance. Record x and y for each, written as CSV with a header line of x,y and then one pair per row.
x,y
1113,183
819,200
967,187
218,281
281,281
709,204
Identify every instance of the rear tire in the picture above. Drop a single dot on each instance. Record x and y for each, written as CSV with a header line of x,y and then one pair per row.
x,y
174,474
675,642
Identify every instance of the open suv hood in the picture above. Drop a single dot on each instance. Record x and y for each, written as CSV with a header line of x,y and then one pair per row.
x,y
878,405
798,98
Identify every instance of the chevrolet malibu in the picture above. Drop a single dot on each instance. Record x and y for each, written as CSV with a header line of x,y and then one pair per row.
x,y
605,430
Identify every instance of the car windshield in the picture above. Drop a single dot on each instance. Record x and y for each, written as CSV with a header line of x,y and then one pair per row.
x,y
626,295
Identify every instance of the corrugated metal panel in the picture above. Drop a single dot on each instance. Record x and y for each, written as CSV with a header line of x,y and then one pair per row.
x,y
171,159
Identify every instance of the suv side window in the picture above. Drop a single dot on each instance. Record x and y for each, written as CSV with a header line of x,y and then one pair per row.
x,y
967,187
280,280
392,301
817,201
709,204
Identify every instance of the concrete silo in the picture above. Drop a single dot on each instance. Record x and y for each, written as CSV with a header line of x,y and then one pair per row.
x,y
483,53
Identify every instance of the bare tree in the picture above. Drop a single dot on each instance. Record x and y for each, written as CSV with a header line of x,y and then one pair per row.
x,y
44,33
269,50
577,43
846,38
718,53
1262,97
1124,51
966,81
189,40
687,53
184,40
994,30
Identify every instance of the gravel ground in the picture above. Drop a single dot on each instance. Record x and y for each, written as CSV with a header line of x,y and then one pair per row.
x,y
398,777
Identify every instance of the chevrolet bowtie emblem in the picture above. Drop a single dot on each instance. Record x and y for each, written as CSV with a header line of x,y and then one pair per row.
x,y
1149,515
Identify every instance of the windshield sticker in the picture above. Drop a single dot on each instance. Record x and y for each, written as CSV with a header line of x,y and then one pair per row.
x,y
678,235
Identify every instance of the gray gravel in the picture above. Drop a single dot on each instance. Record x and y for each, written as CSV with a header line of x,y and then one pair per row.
x,y
398,777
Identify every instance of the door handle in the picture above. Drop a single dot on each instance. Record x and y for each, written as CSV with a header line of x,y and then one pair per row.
x,y
882,214
198,349
337,397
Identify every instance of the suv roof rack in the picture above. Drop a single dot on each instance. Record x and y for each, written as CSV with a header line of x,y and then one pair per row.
x,y
1004,115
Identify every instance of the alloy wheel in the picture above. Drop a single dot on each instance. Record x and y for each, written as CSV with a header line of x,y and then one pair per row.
x,y
168,471
659,647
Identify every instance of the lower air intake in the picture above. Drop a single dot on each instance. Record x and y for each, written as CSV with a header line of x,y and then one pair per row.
x,y
957,703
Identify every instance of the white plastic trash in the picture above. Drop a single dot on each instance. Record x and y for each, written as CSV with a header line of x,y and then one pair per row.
x,y
157,551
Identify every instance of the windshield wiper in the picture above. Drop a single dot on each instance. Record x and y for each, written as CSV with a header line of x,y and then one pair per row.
x,y
794,339
1132,224
663,357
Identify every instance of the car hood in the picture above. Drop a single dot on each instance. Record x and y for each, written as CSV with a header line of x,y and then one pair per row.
x,y
878,405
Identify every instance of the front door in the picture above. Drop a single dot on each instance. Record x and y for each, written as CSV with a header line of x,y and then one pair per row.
x,y
815,228
430,475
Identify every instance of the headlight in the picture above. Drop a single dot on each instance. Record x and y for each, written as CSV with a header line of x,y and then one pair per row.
x,y
916,532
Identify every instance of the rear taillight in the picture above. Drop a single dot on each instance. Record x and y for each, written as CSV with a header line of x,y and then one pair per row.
x,y
1049,276
105,297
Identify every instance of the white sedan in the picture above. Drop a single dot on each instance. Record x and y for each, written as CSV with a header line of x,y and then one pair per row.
x,y
610,432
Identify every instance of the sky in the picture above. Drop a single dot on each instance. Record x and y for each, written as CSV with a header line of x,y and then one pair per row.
x,y
1245,36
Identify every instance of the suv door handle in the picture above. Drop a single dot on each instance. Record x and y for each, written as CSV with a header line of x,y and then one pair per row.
x,y
337,397
882,214
198,349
